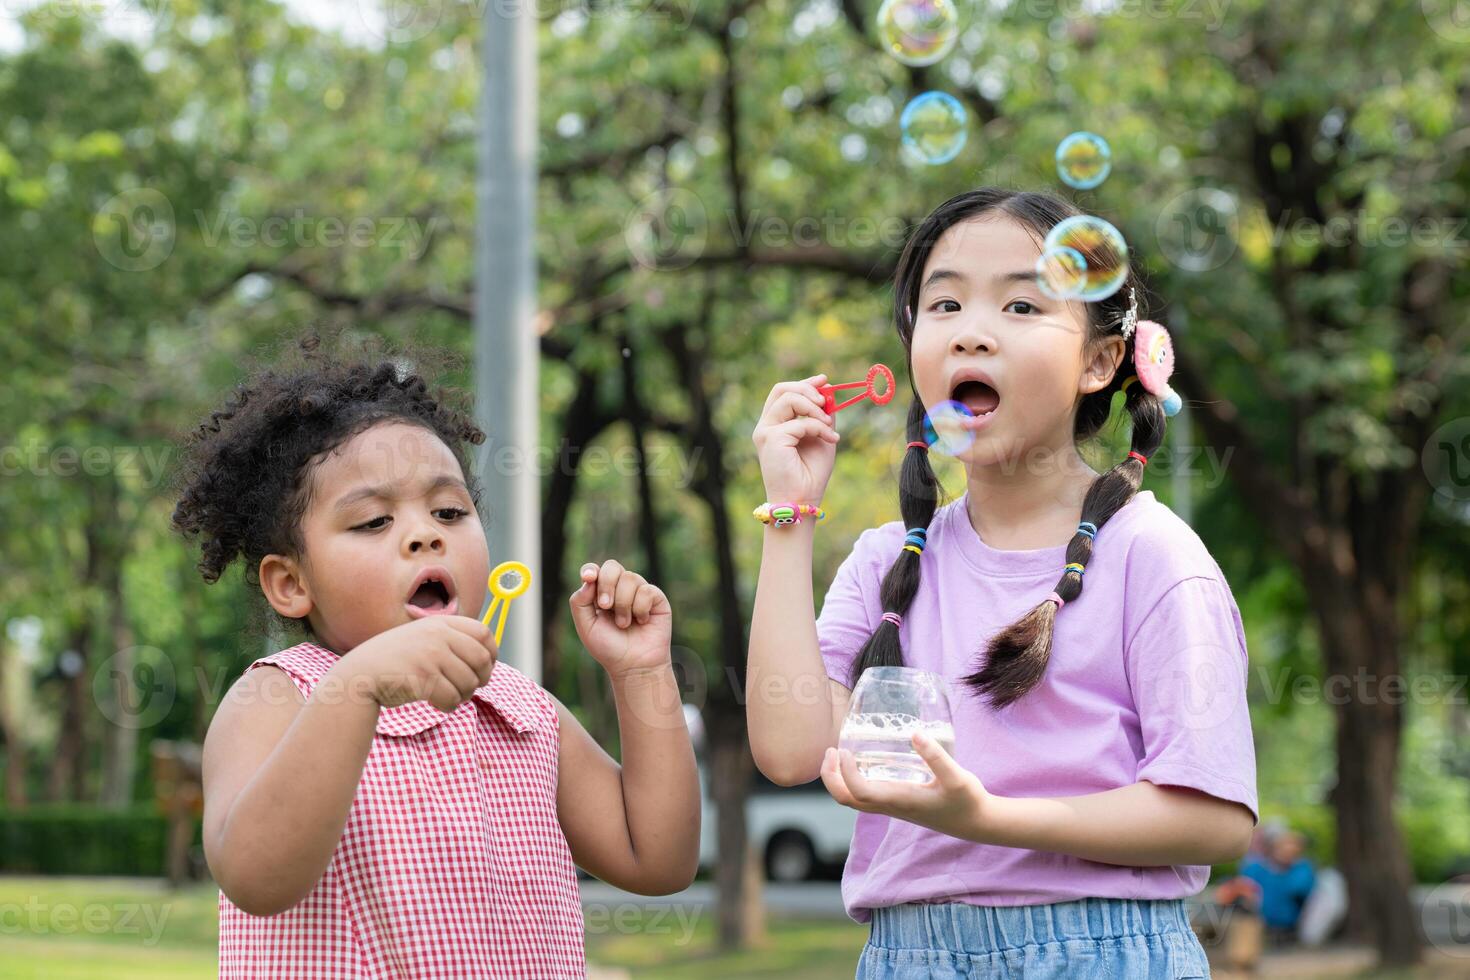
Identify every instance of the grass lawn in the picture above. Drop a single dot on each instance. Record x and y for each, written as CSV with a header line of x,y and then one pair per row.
x,y
136,929
812,950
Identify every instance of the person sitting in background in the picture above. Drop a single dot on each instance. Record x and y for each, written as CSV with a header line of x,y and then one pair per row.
x,y
1286,878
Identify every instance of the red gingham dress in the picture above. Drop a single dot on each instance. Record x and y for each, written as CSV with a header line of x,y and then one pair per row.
x,y
452,862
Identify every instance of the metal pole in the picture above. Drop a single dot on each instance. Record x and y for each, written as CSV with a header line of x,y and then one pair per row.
x,y
506,346
1181,443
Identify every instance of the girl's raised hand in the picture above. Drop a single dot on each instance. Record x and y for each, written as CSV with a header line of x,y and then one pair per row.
x,y
624,621
796,442
954,802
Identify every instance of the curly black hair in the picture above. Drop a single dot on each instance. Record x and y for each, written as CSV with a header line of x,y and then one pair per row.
x,y
244,479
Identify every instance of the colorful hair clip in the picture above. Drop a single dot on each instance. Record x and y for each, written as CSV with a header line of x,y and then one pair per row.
x,y
1153,362
503,596
874,373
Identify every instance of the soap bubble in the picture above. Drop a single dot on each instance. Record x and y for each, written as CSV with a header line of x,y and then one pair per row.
x,y
1061,273
1103,248
944,428
1084,160
918,32
934,127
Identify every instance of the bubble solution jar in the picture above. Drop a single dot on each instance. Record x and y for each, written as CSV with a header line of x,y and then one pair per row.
x,y
888,706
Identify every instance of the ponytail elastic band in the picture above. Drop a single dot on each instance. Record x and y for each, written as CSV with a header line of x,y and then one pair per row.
x,y
1053,597
1131,378
893,618
1142,459
916,539
1077,567
1088,528
919,445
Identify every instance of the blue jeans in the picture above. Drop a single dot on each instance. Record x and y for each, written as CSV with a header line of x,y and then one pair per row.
x,y
1090,938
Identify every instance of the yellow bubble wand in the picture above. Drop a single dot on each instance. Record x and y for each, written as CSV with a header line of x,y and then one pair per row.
x,y
503,596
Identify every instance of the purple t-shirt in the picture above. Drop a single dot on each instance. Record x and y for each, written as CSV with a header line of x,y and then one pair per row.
x,y
1146,681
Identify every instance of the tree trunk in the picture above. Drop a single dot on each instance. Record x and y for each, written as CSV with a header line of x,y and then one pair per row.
x,y
15,749
120,739
740,918
67,777
740,912
581,424
1360,653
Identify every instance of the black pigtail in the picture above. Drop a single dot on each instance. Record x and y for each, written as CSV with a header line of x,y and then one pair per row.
x,y
918,498
1018,655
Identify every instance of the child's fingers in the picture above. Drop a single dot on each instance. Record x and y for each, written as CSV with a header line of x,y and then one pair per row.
x,y
607,582
586,594
832,779
648,596
868,794
782,387
623,596
584,601
948,772
800,403
796,430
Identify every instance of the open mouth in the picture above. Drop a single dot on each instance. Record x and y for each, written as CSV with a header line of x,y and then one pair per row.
x,y
433,595
977,396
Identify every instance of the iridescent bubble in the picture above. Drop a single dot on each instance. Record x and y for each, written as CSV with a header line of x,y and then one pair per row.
x,y
1084,160
944,428
918,32
934,127
1101,245
1061,273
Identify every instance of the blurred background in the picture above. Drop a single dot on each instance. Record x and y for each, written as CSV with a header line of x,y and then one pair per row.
x,y
721,192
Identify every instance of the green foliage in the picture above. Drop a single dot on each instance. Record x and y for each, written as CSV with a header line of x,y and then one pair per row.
x,y
75,839
239,116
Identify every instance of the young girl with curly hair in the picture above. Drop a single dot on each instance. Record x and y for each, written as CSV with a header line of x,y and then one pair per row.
x,y
385,799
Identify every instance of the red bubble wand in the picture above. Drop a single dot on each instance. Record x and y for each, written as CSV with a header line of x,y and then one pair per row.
x,y
874,373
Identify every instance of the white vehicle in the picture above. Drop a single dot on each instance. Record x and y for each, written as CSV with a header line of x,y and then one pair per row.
x,y
798,830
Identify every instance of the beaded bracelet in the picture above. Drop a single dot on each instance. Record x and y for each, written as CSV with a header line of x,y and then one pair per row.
x,y
784,515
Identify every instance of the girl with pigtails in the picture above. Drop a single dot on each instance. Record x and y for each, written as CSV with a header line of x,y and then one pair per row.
x,y
1103,755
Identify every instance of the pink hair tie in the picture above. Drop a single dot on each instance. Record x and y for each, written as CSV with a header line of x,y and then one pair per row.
x,y
1053,597
893,618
